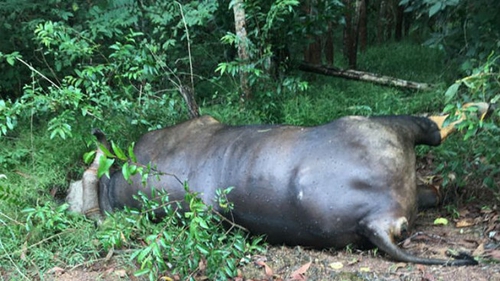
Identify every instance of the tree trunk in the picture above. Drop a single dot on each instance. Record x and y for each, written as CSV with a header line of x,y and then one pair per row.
x,y
241,34
390,16
351,31
398,33
407,16
364,76
381,21
188,95
329,46
312,52
363,22
347,29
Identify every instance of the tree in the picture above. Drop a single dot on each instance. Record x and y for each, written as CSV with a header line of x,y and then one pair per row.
x,y
355,19
242,44
321,19
467,30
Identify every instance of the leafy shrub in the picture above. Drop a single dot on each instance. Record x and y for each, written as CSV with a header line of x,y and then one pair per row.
x,y
190,243
476,158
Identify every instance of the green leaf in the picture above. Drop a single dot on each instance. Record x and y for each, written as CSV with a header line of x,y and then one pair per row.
x,y
89,157
440,221
142,271
10,60
104,166
126,171
435,8
203,223
106,151
221,68
449,108
131,153
9,123
53,134
118,152
451,92
132,169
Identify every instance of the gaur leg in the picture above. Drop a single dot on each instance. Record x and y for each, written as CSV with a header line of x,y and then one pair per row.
x,y
428,196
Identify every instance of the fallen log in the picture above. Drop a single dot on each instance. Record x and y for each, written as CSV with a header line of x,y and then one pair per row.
x,y
364,76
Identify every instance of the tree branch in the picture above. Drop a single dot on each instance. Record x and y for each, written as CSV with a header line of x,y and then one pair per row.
x,y
364,76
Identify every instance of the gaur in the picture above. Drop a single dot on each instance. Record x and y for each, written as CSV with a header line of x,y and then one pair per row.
x,y
350,181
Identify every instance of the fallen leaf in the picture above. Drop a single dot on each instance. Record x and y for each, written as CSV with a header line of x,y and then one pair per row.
x,y
364,269
56,270
24,249
479,251
494,254
420,267
465,223
298,275
256,258
406,243
53,192
267,269
336,265
122,273
398,265
428,277
353,261
202,265
441,221
486,210
109,254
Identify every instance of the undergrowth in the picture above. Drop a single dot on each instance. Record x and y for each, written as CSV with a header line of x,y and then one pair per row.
x,y
185,244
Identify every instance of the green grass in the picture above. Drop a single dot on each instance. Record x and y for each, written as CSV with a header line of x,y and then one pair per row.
x,y
332,98
408,61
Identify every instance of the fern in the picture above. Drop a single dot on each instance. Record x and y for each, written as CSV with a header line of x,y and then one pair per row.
x,y
11,196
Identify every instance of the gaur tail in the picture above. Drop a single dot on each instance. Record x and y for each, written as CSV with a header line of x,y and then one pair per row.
x,y
383,239
483,110
386,244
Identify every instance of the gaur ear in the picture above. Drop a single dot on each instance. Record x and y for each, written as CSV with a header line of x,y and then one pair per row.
x,y
483,110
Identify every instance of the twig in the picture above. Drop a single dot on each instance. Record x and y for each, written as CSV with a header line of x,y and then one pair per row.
x,y
233,224
39,73
11,219
12,261
38,243
429,235
188,38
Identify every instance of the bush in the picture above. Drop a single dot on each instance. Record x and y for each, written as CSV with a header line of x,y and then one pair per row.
x,y
188,244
